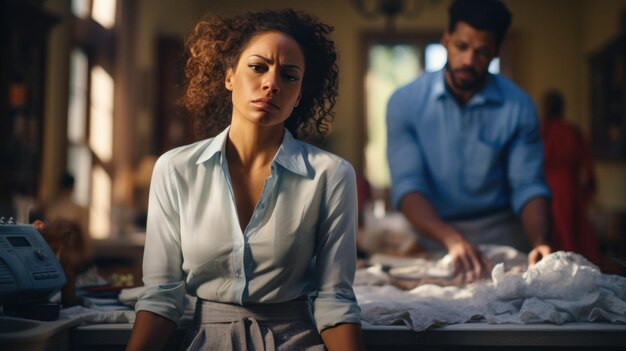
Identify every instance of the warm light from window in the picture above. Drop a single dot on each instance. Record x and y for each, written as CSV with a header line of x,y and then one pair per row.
x,y
80,8
79,164
101,126
103,12
100,210
390,66
77,108
437,56
494,66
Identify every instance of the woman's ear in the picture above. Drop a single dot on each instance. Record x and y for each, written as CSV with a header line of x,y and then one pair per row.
x,y
228,81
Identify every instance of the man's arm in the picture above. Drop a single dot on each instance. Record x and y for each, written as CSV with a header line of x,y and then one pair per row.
x,y
536,221
529,191
466,257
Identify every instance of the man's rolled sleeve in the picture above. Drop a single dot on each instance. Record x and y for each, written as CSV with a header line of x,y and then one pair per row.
x,y
523,194
406,161
525,167
336,252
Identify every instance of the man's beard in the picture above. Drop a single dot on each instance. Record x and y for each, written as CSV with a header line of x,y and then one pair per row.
x,y
467,85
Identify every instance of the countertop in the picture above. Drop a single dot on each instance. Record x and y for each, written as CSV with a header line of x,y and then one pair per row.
x,y
468,336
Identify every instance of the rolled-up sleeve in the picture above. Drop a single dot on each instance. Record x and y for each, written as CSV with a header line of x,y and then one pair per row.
x,y
162,261
336,252
406,163
525,168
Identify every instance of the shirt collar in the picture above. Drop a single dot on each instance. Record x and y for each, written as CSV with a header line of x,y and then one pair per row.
x,y
439,86
290,154
490,92
216,145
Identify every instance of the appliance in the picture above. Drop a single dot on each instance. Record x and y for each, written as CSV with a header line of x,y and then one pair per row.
x,y
29,273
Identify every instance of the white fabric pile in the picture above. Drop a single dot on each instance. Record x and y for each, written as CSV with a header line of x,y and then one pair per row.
x,y
120,310
563,287
98,315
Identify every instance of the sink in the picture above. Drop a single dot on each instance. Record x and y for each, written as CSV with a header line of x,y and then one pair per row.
x,y
19,334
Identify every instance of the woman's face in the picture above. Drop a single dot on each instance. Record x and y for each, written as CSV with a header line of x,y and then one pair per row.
x,y
267,81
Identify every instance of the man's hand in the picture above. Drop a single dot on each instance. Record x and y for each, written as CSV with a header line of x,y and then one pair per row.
x,y
539,252
469,261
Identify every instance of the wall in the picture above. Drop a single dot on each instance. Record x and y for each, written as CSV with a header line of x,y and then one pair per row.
x,y
551,41
602,23
55,104
547,52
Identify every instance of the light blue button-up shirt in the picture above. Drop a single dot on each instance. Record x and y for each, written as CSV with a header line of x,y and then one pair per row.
x,y
300,240
469,161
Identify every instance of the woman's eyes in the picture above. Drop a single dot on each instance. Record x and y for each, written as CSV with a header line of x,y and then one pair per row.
x,y
288,75
257,68
291,77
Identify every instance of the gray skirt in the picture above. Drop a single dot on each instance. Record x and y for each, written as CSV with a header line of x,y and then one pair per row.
x,y
257,326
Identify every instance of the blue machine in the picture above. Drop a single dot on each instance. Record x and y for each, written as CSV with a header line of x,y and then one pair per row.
x,y
29,270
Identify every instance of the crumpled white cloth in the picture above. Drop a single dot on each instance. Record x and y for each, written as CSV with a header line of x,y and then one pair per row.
x,y
562,287
91,315
120,310
98,315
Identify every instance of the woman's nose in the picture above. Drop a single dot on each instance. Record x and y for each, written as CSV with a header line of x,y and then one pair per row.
x,y
270,83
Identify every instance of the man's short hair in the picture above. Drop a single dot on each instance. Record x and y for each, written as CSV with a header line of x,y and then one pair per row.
x,y
485,15
67,181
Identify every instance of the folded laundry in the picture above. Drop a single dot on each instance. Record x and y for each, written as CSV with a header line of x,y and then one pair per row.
x,y
563,287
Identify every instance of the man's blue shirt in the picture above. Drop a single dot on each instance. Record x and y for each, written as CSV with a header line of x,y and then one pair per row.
x,y
471,160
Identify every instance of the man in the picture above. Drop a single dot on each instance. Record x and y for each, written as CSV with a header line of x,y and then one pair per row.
x,y
464,148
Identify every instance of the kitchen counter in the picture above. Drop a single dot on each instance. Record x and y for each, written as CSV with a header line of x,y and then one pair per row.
x,y
64,335
19,334
469,336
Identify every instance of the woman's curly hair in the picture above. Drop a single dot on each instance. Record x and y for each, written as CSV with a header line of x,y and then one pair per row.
x,y
216,44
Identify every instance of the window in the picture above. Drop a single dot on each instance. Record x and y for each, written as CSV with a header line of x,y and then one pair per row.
x,y
389,67
391,63
90,111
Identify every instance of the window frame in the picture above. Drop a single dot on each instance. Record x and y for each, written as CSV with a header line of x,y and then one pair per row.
x,y
420,38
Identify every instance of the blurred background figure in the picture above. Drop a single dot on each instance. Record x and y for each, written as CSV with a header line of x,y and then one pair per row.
x,y
63,205
570,176
65,223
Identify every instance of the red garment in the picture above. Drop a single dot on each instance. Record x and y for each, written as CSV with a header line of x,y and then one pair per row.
x,y
570,176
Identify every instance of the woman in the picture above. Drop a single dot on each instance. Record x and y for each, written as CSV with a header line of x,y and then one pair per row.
x,y
259,225
571,178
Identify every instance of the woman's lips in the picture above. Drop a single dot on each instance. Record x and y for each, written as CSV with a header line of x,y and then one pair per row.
x,y
265,104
